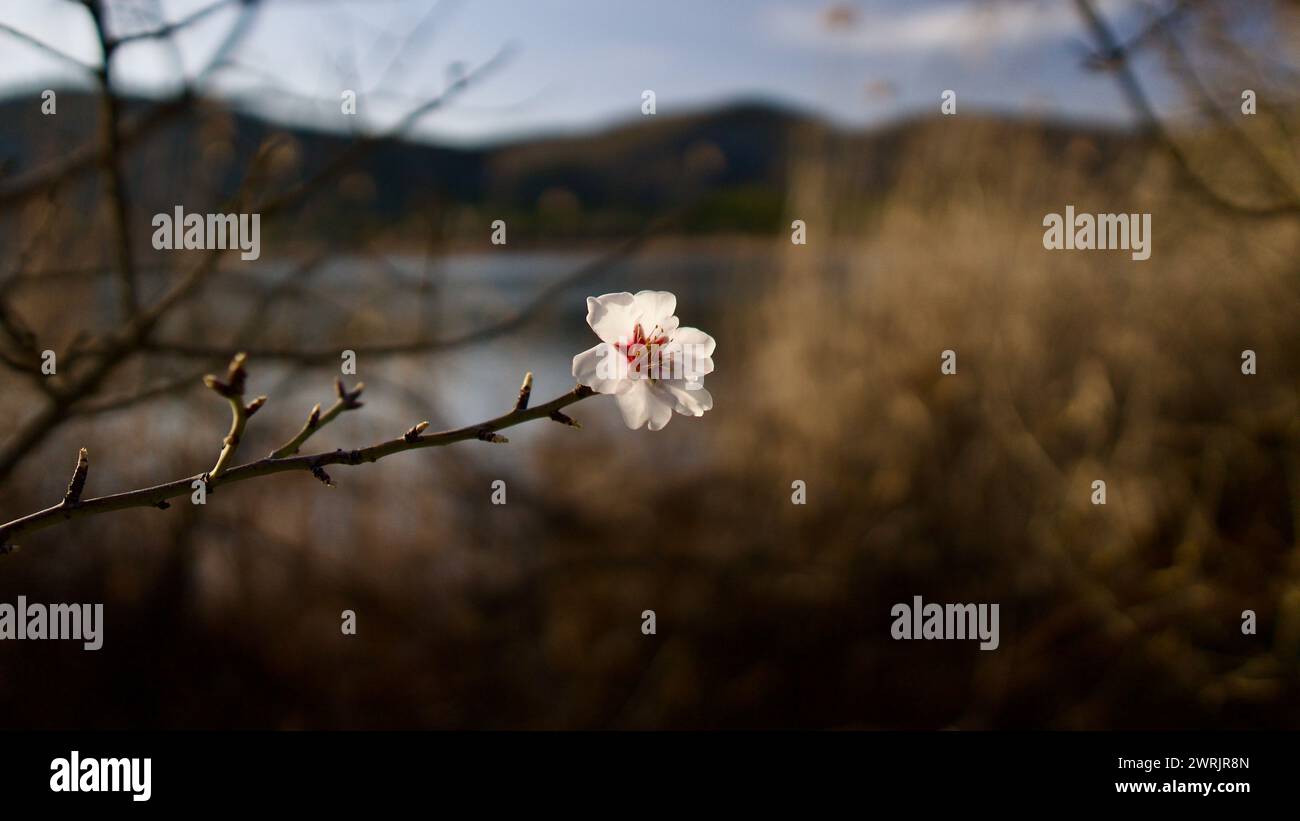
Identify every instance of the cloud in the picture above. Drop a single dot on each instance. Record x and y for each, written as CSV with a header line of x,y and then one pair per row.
x,y
925,27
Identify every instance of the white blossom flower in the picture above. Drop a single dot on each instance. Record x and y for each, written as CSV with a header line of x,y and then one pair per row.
x,y
649,364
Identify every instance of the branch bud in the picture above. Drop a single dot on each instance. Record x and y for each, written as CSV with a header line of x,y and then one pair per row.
x,y
525,392
78,483
565,419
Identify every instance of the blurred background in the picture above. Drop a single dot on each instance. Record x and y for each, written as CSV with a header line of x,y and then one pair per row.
x,y
924,233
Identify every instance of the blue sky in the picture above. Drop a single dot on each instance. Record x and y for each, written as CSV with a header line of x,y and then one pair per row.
x,y
577,64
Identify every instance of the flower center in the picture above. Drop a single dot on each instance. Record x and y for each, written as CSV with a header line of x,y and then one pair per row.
x,y
644,351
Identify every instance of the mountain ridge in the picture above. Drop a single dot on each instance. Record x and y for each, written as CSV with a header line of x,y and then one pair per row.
x,y
733,161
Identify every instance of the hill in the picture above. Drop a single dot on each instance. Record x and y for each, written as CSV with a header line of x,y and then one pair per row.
x,y
733,163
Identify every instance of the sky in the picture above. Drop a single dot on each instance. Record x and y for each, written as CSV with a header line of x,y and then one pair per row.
x,y
574,65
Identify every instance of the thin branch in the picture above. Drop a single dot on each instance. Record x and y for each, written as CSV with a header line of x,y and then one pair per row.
x,y
365,144
1230,126
21,353
122,344
168,29
78,483
115,176
79,161
421,34
46,47
232,388
346,400
252,323
1103,60
1117,59
509,323
72,164
137,332
119,401
413,439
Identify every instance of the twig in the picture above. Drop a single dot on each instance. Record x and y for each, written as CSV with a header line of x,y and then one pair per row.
x,y
413,439
115,178
1105,60
45,47
74,163
78,482
346,401
137,332
168,29
121,344
365,144
70,165
1116,58
126,399
252,323
1231,126
316,355
232,388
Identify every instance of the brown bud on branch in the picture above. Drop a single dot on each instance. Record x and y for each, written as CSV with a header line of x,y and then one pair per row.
x,y
78,483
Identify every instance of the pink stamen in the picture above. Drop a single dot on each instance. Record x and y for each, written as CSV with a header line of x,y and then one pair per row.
x,y
641,345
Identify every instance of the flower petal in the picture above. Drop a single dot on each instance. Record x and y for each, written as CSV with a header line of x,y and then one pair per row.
x,y
699,368
597,368
612,316
687,401
634,404
656,308
694,338
677,364
661,411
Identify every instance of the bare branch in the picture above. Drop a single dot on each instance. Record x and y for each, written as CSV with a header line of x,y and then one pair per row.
x,y
1103,60
112,159
511,322
168,29
158,495
1230,126
232,388
134,336
79,161
119,401
251,323
19,189
347,400
121,344
46,47
78,482
1116,59
363,145
421,34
